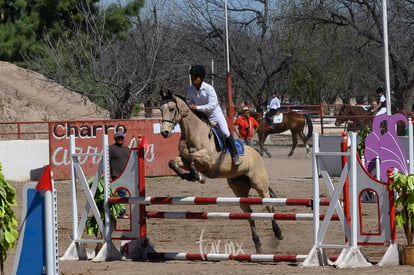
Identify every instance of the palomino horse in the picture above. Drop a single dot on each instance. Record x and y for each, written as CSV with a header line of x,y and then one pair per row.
x,y
292,121
363,119
199,154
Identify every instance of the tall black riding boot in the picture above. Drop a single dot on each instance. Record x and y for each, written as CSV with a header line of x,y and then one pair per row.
x,y
232,147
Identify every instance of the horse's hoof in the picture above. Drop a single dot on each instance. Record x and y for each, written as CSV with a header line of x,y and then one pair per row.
x,y
201,179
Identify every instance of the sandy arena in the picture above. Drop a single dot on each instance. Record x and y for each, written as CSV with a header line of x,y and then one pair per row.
x,y
289,178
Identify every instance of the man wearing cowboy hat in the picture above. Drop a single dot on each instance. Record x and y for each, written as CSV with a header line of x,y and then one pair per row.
x,y
247,125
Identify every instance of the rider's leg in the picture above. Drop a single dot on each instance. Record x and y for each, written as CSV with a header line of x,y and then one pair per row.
x,y
224,129
269,117
232,147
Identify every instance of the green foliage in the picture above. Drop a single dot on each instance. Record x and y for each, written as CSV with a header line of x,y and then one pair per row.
x,y
23,24
117,18
92,227
136,110
404,186
8,222
361,145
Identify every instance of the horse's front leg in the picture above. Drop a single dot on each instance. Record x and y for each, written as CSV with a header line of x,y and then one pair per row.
x,y
176,165
179,163
196,175
262,148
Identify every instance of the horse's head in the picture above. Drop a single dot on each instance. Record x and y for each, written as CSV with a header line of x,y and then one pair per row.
x,y
257,116
172,108
343,112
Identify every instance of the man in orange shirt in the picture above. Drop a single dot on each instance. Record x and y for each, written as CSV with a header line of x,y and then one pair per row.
x,y
247,125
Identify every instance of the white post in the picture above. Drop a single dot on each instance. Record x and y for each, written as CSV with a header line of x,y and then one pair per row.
x,y
377,168
105,148
353,193
315,179
386,55
75,235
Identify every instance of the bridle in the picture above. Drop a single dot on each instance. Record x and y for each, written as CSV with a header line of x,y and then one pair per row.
x,y
177,112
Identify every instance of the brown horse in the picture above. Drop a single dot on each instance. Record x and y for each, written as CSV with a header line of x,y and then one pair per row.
x,y
362,119
292,121
199,154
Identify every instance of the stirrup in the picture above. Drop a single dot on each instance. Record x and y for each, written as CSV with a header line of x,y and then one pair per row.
x,y
236,161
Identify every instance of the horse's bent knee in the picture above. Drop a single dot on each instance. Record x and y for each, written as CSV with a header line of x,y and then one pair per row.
x,y
171,164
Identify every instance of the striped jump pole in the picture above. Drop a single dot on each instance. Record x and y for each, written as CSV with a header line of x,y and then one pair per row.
x,y
233,216
235,257
215,200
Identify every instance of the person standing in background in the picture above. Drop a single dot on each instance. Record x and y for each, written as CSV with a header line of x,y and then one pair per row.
x,y
247,126
374,105
118,158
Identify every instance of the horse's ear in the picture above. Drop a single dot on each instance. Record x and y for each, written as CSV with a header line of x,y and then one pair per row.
x,y
166,94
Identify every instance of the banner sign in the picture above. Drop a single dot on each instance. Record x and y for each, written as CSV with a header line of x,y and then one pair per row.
x,y
88,136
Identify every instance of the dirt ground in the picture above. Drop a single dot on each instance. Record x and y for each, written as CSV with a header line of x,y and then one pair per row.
x,y
289,177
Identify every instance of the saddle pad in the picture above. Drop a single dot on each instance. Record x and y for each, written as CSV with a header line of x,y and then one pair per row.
x,y
239,143
239,146
278,118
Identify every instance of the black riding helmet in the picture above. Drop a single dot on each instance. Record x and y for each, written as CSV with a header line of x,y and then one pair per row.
x,y
380,90
198,70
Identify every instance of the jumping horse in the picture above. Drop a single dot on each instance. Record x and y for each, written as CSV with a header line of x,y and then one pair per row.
x,y
293,121
362,119
200,155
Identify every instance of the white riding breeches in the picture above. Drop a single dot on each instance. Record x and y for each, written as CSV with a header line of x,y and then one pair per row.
x,y
381,111
219,118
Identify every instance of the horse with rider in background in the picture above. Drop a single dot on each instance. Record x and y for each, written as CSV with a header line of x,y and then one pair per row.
x,y
297,123
362,119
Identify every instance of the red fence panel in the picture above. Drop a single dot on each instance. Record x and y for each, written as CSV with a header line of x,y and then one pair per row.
x,y
88,136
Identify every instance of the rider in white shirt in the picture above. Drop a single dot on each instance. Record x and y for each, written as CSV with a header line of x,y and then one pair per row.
x,y
202,97
382,102
272,107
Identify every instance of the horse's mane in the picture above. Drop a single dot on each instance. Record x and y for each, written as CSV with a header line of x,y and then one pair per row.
x,y
199,114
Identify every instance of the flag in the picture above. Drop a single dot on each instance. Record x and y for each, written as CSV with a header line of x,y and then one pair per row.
x,y
45,181
143,142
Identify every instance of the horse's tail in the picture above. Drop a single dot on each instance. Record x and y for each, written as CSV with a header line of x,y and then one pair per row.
x,y
309,124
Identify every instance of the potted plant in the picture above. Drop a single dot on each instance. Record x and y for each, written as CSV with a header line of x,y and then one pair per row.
x,y
404,217
91,225
8,221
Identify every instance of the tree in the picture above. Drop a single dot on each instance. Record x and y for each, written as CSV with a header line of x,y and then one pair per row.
x,y
255,59
363,19
23,23
116,63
